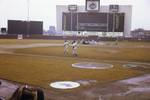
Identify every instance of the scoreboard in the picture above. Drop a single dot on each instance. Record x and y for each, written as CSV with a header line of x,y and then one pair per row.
x,y
25,27
88,21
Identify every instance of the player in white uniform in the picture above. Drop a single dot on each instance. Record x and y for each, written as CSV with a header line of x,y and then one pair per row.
x,y
74,48
66,47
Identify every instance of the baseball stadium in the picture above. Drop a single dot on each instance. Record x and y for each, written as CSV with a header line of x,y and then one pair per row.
x,y
108,63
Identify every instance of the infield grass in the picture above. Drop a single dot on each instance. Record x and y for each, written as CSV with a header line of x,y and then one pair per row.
x,y
42,65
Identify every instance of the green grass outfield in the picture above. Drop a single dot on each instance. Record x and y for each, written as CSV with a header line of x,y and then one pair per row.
x,y
42,65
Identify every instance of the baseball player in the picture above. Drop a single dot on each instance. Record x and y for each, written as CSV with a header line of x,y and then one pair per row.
x,y
66,47
74,48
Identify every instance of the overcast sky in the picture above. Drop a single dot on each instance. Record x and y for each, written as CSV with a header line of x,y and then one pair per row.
x,y
45,10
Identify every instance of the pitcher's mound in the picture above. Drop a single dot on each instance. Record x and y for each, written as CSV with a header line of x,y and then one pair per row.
x,y
92,65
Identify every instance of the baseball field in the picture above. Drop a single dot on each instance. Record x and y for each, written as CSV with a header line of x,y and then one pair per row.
x,y
40,62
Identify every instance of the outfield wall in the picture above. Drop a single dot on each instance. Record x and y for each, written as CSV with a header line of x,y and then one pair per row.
x,y
96,38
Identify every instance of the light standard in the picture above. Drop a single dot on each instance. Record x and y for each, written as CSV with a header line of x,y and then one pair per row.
x,y
28,10
28,17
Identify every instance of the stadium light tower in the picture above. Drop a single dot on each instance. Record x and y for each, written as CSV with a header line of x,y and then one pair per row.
x,y
28,17
28,10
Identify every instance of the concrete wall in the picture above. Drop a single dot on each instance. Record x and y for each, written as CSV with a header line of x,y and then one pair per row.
x,y
127,9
